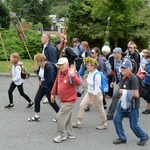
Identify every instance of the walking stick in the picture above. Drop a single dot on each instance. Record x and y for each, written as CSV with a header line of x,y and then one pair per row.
x,y
3,46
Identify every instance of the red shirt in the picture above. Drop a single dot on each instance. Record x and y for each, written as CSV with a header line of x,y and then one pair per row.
x,y
65,90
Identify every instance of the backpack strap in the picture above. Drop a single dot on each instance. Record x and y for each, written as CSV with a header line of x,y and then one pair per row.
x,y
97,72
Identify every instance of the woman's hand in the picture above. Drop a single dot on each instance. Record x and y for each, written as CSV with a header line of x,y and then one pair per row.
x,y
91,103
52,98
111,84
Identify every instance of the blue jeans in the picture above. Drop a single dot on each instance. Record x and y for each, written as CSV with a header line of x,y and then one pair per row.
x,y
133,118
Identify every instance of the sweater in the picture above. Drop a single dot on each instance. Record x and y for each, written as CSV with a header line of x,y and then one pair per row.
x,y
65,90
16,75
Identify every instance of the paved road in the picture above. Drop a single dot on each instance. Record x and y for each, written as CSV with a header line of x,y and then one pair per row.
x,y
19,134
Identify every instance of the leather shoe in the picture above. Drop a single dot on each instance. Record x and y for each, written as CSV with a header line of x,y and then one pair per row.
x,y
109,117
143,141
119,141
146,111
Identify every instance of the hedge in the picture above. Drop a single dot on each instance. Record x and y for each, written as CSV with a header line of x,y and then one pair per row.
x,y
14,44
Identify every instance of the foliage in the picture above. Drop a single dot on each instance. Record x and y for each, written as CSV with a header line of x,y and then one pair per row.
x,y
4,16
60,9
13,44
81,24
126,20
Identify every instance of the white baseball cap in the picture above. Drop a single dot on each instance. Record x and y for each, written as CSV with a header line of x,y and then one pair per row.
x,y
62,60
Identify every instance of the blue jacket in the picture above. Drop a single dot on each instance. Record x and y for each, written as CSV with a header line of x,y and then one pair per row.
x,y
50,73
51,53
147,76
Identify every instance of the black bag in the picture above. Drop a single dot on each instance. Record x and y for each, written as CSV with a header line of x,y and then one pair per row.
x,y
71,55
142,88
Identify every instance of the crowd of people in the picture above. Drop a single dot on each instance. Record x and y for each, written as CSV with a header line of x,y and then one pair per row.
x,y
59,63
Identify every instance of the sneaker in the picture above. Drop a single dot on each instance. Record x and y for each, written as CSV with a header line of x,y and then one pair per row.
x,y
76,125
143,141
87,108
101,127
9,106
119,141
146,111
45,101
54,120
71,136
34,119
30,105
59,138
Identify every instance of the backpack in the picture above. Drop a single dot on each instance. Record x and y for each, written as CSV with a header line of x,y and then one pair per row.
x,y
24,72
104,82
108,67
70,55
142,88
80,88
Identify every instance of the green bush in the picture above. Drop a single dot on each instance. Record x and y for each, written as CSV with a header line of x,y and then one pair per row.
x,y
14,44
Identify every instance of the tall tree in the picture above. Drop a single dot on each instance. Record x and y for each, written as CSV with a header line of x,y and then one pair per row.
x,y
80,23
127,19
4,16
36,12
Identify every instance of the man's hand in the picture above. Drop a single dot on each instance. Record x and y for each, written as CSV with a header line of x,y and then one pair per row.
x,y
71,70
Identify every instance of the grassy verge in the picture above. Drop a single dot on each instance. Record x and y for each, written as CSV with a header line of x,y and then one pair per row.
x,y
26,62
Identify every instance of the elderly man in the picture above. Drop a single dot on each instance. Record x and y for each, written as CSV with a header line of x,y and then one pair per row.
x,y
67,95
129,89
109,56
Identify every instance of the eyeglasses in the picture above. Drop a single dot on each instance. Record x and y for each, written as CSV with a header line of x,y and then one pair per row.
x,y
92,53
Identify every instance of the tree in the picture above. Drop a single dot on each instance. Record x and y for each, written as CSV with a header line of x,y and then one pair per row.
x,y
4,16
36,12
15,6
128,20
80,24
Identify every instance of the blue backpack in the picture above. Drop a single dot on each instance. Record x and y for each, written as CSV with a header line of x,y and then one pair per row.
x,y
104,81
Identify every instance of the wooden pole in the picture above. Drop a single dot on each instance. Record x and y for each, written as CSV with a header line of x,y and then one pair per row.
x,y
5,53
28,52
4,48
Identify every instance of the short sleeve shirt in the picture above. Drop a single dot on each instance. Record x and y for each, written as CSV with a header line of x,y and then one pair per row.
x,y
131,83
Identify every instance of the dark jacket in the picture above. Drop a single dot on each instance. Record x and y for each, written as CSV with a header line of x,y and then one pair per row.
x,y
51,53
110,58
102,65
50,73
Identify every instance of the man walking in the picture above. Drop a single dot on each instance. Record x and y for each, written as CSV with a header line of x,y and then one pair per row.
x,y
128,105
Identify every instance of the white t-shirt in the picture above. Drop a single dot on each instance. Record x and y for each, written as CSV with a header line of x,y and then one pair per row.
x,y
41,74
91,89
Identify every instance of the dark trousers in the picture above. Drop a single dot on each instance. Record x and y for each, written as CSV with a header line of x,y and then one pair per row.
x,y
110,91
39,95
113,105
20,89
78,64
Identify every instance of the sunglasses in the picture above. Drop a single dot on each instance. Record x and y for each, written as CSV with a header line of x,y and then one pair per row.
x,y
92,53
